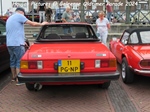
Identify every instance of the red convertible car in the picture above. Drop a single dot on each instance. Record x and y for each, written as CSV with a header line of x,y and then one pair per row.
x,y
67,53
132,51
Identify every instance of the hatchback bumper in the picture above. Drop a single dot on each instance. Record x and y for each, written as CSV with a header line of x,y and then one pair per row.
x,y
79,77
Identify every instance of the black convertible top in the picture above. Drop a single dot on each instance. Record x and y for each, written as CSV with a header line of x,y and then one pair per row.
x,y
131,30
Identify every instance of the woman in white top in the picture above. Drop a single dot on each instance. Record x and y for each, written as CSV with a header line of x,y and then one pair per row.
x,y
102,25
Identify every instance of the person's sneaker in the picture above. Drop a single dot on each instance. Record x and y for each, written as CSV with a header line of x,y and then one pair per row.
x,y
19,83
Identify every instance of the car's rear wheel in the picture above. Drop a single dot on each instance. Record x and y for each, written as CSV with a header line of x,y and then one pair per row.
x,y
29,86
126,74
105,85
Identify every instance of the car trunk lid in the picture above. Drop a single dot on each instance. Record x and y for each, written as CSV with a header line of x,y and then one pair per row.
x,y
68,50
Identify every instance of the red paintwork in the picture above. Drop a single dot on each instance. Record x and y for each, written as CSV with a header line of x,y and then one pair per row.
x,y
86,52
52,52
133,53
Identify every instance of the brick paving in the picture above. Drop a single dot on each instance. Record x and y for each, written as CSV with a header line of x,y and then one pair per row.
x,y
54,99
85,98
120,99
139,93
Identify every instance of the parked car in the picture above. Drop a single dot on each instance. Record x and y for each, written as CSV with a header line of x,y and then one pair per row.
x,y
59,57
133,53
4,18
4,57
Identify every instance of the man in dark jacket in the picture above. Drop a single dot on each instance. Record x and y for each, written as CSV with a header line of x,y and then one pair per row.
x,y
41,10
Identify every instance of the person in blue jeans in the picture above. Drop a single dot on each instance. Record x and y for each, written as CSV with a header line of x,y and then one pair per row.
x,y
109,10
16,39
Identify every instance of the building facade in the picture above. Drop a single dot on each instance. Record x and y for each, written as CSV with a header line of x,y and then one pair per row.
x,y
117,5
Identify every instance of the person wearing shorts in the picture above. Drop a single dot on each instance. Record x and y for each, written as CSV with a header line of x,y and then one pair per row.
x,y
16,39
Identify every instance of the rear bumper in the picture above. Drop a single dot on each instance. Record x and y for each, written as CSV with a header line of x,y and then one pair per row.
x,y
142,71
80,77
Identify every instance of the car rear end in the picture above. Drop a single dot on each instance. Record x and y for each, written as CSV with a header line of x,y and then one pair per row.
x,y
57,64
73,57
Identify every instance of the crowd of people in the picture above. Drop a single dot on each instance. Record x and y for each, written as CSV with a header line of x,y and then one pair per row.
x,y
47,14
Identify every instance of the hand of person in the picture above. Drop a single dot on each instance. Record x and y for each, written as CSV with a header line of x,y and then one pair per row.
x,y
45,23
71,18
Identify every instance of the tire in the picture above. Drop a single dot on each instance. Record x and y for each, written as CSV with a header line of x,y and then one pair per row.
x,y
105,85
126,74
29,86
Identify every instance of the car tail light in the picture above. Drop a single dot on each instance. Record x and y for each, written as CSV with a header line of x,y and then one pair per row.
x,y
31,65
24,64
145,63
39,64
105,63
112,63
97,63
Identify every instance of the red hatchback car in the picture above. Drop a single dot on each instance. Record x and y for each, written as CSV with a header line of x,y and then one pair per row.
x,y
67,53
132,51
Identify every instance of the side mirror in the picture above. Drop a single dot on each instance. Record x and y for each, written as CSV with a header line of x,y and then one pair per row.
x,y
35,35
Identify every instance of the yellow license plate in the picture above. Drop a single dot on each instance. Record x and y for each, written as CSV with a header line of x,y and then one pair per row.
x,y
68,66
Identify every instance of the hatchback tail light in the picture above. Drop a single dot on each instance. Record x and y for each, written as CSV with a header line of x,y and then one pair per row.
x,y
105,63
145,63
112,63
31,65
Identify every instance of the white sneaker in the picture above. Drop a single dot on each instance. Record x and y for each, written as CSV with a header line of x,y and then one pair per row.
x,y
19,83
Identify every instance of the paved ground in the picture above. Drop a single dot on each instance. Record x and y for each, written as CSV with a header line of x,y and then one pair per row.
x,y
118,98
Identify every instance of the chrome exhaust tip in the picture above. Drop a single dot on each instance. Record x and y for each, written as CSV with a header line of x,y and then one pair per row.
x,y
38,86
